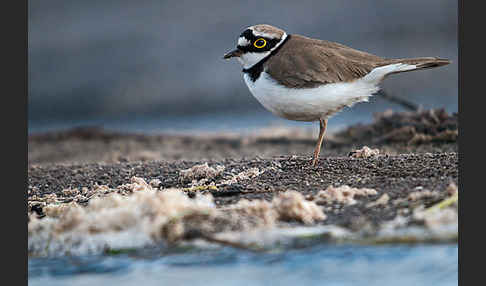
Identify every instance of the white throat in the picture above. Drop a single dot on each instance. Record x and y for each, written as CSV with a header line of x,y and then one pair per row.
x,y
248,60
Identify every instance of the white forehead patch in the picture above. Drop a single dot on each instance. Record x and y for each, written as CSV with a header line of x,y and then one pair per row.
x,y
242,41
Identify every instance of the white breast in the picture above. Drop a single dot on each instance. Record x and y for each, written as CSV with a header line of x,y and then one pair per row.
x,y
308,104
312,104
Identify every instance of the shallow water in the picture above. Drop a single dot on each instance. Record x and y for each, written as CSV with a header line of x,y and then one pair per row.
x,y
313,265
241,122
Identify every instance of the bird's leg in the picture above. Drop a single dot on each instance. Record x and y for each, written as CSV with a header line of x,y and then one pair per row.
x,y
322,130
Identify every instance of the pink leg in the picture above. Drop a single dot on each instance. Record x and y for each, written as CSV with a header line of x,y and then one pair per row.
x,y
317,150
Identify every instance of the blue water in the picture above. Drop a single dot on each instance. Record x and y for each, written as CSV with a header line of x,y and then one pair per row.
x,y
241,121
316,265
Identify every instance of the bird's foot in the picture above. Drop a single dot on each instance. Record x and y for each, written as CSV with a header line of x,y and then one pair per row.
x,y
314,162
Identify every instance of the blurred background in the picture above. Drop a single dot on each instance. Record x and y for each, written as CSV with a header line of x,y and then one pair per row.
x,y
156,66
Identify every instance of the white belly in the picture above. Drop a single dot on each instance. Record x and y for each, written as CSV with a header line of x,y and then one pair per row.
x,y
309,104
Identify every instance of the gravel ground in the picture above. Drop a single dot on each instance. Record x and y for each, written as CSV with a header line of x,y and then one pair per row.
x,y
397,176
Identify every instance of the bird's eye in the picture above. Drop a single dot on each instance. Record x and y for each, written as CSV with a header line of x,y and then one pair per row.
x,y
260,43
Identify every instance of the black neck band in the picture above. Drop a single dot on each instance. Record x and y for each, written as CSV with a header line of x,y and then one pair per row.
x,y
255,71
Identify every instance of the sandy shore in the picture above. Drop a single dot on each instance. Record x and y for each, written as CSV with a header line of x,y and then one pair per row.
x,y
412,165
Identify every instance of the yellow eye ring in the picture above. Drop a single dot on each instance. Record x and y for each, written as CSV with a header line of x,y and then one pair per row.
x,y
262,41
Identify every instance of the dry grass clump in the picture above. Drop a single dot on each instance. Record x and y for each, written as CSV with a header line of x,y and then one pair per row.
x,y
435,219
142,216
444,136
439,218
289,206
364,152
200,173
292,205
54,205
136,184
256,213
204,177
56,210
343,195
423,194
149,216
434,125
381,201
244,175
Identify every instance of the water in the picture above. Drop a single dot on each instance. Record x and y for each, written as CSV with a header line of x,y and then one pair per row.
x,y
314,265
239,121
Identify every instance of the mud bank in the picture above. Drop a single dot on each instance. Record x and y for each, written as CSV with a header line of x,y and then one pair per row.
x,y
401,189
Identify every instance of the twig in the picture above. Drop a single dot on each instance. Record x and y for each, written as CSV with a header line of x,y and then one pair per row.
x,y
234,244
445,203
405,103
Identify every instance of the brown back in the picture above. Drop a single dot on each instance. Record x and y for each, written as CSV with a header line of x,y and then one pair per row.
x,y
304,62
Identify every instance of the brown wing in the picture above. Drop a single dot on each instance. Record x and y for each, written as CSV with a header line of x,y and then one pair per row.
x,y
304,62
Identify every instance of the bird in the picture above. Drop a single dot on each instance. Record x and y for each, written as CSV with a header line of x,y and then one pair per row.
x,y
305,79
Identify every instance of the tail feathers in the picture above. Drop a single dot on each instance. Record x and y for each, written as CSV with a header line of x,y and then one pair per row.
x,y
389,67
420,63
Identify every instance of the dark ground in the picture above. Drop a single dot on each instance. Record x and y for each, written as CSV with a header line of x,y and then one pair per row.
x,y
395,175
416,150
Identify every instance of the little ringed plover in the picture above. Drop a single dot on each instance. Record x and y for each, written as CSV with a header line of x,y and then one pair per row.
x,y
305,79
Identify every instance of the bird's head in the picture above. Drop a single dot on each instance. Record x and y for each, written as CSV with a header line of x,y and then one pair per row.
x,y
255,43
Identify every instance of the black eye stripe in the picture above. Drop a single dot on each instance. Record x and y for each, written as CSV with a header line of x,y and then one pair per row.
x,y
248,35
